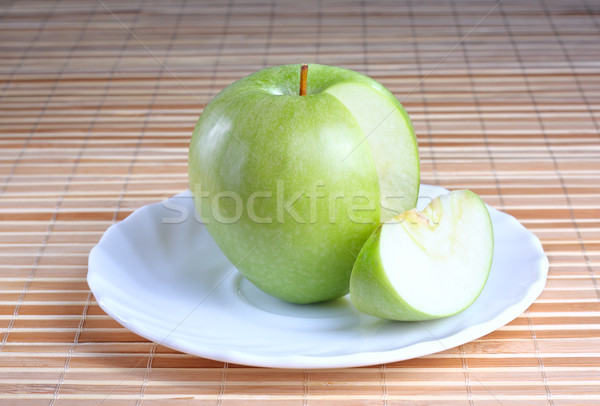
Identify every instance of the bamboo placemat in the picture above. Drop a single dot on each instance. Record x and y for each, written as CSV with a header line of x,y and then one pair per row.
x,y
98,101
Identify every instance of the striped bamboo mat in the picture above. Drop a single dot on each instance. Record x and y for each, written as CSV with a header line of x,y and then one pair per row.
x,y
97,103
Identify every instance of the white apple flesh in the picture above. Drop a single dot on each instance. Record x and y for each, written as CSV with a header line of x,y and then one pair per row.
x,y
382,123
426,265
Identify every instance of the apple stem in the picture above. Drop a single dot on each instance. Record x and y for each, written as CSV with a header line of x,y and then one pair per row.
x,y
303,75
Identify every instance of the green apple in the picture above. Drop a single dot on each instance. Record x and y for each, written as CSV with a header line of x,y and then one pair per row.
x,y
291,186
426,265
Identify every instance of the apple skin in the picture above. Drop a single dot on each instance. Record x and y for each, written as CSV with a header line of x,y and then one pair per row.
x,y
372,290
259,145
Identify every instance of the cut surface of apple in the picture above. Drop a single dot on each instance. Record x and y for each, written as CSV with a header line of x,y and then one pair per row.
x,y
382,123
426,264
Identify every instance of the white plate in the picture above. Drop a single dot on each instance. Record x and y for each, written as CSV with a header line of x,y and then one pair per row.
x,y
160,274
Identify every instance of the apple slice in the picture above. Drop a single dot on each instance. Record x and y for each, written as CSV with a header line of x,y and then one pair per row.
x,y
426,265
